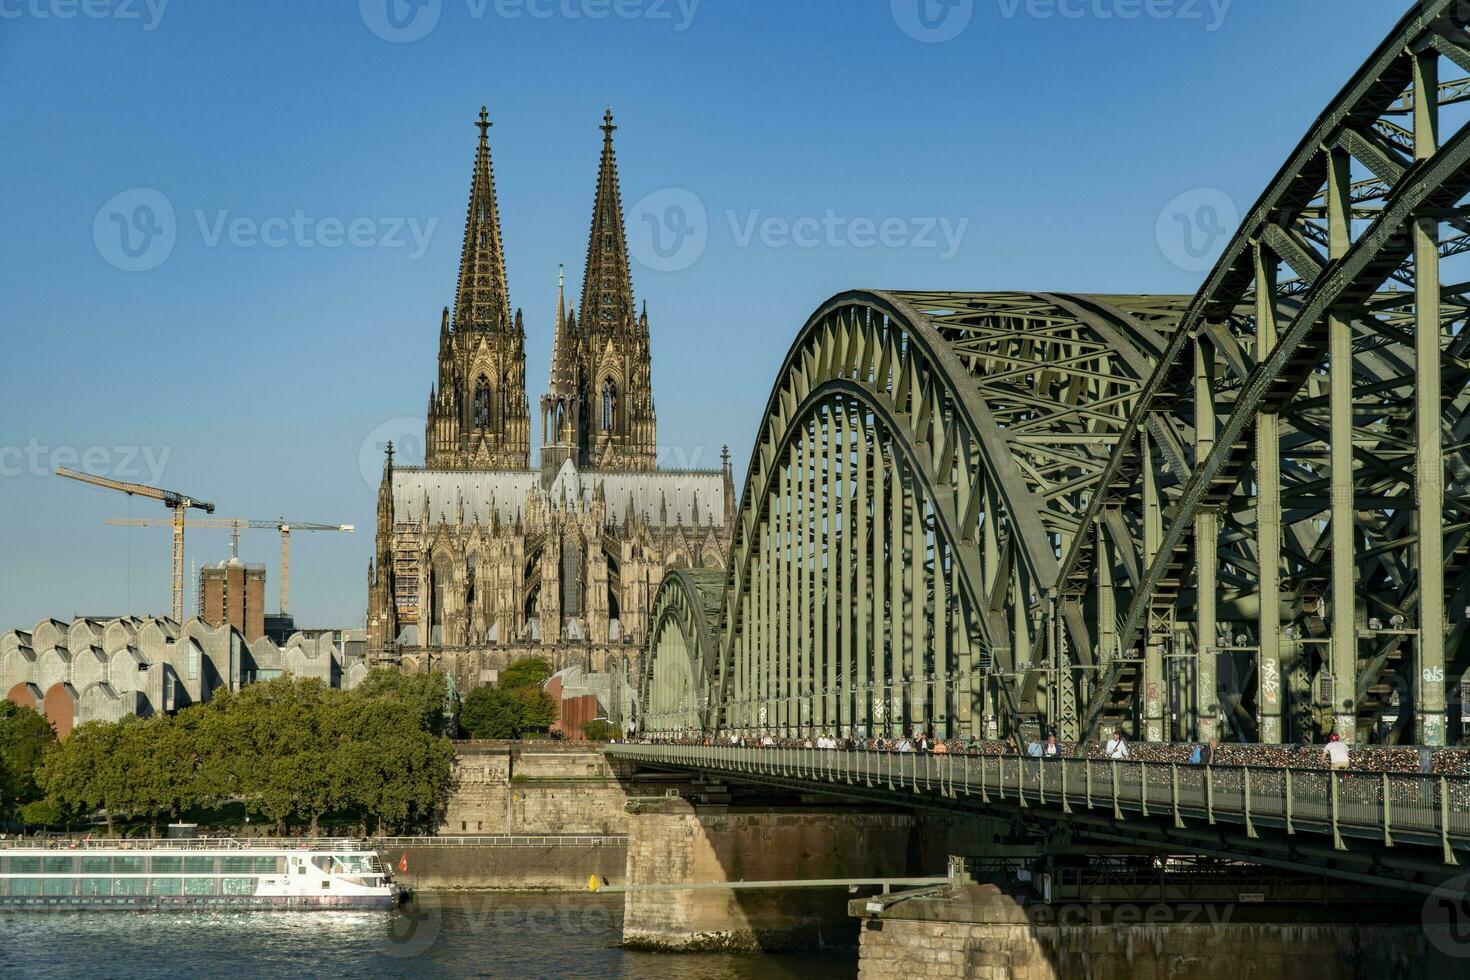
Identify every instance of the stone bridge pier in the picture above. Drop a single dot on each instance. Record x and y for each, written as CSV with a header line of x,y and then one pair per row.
x,y
701,839
990,932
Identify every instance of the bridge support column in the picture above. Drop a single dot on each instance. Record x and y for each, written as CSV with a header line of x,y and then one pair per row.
x,y
676,841
1343,660
1429,474
982,931
1268,519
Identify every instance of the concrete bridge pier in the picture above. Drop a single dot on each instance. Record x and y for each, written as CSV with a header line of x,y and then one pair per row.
x,y
988,932
681,841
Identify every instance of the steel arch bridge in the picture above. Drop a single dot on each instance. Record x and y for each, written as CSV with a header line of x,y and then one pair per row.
x,y
1245,512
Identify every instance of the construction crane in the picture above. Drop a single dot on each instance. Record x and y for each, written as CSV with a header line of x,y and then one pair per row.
x,y
235,524
173,500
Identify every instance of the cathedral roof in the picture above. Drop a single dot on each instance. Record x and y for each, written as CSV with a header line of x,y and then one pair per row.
x,y
659,497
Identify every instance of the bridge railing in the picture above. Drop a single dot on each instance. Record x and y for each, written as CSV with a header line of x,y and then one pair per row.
x,y
1426,808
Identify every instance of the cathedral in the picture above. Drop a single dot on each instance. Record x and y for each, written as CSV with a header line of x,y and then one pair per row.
x,y
481,558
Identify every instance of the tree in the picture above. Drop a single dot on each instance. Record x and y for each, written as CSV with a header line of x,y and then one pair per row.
x,y
290,750
538,709
41,813
525,672
8,799
428,696
394,769
82,773
600,730
25,734
491,712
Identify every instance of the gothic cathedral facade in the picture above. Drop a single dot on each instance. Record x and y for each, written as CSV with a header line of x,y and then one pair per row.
x,y
481,558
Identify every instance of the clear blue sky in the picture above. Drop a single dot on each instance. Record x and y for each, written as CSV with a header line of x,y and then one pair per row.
x,y
255,374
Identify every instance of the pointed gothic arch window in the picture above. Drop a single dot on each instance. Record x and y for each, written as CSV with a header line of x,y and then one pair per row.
x,y
609,404
440,575
482,403
571,578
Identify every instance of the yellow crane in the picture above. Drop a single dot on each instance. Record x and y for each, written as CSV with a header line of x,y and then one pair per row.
x,y
234,526
173,500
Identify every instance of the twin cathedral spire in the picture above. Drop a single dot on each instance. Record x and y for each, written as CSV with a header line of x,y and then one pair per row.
x,y
598,410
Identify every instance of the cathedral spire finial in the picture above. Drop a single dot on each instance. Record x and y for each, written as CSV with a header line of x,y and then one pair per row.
x,y
563,364
481,301
561,295
607,285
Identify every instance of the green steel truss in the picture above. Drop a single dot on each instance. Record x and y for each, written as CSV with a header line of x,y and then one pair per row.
x,y
987,512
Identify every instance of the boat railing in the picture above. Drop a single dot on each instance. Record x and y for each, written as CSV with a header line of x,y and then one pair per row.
x,y
505,840
184,843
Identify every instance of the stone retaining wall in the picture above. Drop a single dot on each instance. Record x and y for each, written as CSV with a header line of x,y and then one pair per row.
x,y
558,867
534,788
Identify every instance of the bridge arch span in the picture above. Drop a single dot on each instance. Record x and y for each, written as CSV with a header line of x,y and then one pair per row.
x,y
1245,513
915,479
674,681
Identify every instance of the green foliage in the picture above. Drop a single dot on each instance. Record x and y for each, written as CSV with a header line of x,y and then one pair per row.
x,y
600,730
25,735
427,696
289,750
89,775
525,672
538,709
41,813
514,708
491,712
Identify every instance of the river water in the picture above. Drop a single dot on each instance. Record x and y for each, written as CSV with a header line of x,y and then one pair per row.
x,y
487,934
